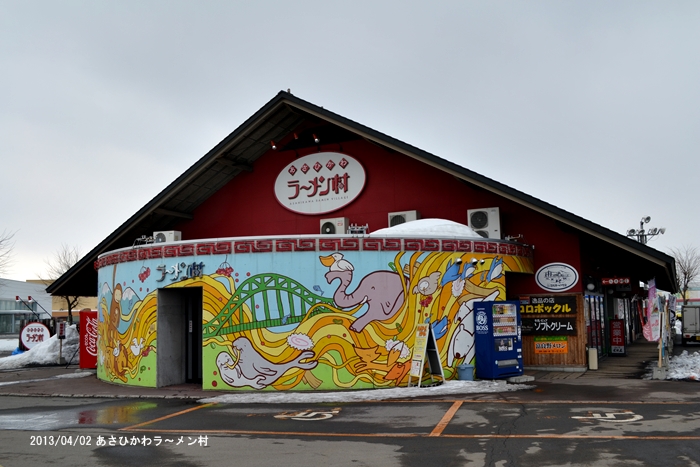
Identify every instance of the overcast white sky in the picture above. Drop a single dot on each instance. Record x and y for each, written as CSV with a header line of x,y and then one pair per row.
x,y
592,106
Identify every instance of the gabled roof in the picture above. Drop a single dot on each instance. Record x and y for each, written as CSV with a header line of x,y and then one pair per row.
x,y
273,122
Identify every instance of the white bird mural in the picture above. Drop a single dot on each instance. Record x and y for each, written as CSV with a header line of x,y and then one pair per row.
x,y
336,262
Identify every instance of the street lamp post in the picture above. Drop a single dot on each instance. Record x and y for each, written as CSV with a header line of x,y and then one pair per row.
x,y
643,236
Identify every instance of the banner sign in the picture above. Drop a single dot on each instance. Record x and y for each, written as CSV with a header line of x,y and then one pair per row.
x,y
549,326
550,304
553,344
617,336
652,328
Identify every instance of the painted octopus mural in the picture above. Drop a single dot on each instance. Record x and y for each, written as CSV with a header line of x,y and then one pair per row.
x,y
339,321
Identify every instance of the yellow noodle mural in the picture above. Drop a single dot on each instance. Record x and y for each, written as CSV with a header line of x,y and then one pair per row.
x,y
336,321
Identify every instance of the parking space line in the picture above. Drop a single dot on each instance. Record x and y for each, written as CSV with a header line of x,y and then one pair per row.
x,y
176,414
442,424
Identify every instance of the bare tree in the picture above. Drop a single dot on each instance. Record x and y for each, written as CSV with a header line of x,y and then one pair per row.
x,y
687,268
63,260
6,248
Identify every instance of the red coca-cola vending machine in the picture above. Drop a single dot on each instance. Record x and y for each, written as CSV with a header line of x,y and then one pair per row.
x,y
88,339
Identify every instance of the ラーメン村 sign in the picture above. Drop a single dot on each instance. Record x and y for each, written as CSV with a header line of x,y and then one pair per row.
x,y
320,183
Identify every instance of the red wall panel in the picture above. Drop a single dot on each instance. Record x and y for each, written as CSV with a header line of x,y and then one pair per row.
x,y
247,206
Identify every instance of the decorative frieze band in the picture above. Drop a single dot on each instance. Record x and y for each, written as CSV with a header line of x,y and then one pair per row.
x,y
325,244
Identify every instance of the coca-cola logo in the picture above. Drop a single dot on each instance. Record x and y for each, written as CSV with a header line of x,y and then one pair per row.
x,y
90,335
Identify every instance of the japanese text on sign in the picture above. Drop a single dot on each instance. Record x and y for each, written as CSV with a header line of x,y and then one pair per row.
x,y
33,334
545,345
549,326
617,336
550,304
541,308
180,271
333,185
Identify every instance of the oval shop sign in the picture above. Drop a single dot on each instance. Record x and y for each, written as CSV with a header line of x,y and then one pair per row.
x,y
556,277
320,183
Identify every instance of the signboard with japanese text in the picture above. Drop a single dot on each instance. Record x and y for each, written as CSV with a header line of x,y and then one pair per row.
x,y
419,348
552,304
549,326
615,281
556,277
33,334
617,336
320,183
552,344
425,346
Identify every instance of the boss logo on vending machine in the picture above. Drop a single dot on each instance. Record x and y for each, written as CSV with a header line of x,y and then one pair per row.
x,y
482,322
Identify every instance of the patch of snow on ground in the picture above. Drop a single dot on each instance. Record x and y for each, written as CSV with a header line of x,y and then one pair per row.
x,y
684,366
45,353
447,388
8,345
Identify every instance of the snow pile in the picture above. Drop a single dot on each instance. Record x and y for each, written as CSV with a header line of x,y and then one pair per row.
x,y
684,366
447,388
45,353
428,228
8,345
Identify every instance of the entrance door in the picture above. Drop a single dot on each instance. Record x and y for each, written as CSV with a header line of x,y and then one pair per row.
x,y
193,334
179,319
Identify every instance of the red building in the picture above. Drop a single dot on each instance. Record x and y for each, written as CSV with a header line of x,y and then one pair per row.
x,y
230,193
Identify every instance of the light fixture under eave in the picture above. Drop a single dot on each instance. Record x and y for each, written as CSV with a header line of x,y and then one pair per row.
x,y
316,140
273,145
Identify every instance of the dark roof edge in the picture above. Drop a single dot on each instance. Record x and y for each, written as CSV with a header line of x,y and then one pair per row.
x,y
91,256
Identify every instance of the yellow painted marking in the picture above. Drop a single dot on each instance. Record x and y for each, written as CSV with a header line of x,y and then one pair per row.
x,y
176,414
437,431
613,437
521,402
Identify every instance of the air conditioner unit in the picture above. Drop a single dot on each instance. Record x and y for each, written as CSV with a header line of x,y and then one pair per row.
x,y
167,236
486,222
396,218
334,226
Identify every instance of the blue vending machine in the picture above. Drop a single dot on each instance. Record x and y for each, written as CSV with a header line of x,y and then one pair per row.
x,y
498,340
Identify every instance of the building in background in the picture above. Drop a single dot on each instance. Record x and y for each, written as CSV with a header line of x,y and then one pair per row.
x,y
22,300
59,308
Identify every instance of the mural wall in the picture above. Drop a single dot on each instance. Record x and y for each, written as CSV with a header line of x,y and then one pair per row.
x,y
300,320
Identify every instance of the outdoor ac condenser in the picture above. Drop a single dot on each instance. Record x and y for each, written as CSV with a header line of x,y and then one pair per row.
x,y
400,217
165,236
486,222
334,226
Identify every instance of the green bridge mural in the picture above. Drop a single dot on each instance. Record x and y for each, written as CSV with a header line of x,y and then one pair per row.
x,y
258,289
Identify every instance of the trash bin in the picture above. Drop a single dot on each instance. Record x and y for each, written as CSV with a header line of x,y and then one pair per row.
x,y
592,358
465,372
